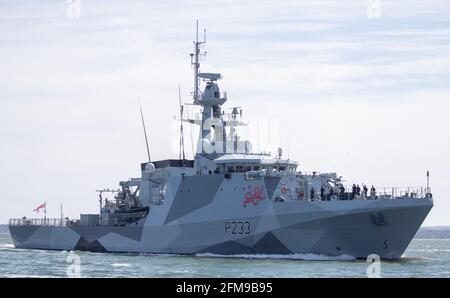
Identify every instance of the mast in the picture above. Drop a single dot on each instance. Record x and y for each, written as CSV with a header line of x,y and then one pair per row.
x,y
195,62
145,133
197,65
210,101
181,126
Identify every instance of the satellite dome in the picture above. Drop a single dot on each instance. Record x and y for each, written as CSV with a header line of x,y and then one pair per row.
x,y
150,168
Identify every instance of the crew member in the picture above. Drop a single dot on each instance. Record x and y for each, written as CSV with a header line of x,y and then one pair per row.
x,y
322,193
331,193
365,190
373,192
341,192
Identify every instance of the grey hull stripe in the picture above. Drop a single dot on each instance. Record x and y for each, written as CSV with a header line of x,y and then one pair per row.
x,y
271,184
194,193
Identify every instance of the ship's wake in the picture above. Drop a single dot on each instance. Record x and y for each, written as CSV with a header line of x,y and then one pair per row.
x,y
303,257
7,245
120,265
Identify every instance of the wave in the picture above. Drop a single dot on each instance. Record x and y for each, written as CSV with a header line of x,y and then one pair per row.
x,y
120,265
182,271
7,245
431,239
149,254
29,276
429,250
304,257
406,259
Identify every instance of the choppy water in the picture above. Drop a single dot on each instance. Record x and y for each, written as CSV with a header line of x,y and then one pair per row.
x,y
423,258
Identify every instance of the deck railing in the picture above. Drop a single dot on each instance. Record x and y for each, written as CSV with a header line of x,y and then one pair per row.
x,y
403,192
52,222
386,193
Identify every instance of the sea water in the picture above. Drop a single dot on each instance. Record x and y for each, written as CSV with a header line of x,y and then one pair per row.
x,y
423,258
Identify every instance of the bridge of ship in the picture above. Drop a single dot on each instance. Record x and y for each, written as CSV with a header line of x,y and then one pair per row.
x,y
231,163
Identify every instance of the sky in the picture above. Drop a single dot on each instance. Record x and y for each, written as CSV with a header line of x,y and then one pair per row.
x,y
361,88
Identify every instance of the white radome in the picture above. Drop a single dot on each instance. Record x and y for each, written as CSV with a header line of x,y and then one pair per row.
x,y
150,168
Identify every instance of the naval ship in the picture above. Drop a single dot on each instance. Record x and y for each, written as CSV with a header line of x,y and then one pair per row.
x,y
229,200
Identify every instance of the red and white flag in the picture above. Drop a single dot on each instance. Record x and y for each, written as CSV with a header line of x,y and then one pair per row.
x,y
38,208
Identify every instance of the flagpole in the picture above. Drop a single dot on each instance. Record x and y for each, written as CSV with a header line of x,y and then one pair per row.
x,y
61,214
45,211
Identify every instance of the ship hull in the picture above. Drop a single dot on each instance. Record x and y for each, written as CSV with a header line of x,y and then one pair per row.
x,y
356,228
